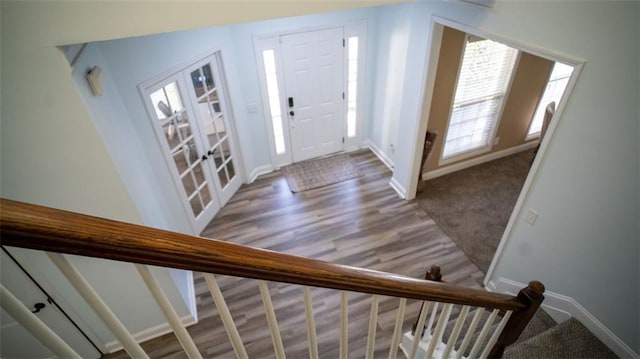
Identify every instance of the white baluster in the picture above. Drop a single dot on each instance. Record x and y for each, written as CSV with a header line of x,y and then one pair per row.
x,y
311,325
373,325
483,333
35,326
225,316
495,335
437,332
432,318
167,309
344,325
417,336
271,319
469,334
397,332
98,305
456,331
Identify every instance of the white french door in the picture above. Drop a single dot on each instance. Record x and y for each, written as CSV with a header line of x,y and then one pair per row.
x,y
190,115
313,68
208,96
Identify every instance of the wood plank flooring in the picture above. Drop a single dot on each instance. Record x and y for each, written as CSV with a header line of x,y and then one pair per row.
x,y
360,222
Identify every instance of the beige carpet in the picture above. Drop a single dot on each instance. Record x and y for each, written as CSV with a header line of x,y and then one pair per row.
x,y
473,206
320,172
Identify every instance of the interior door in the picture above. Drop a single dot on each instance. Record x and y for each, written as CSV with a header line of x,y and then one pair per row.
x,y
313,64
17,342
178,131
209,97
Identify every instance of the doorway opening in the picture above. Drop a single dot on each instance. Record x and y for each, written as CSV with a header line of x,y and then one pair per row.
x,y
484,105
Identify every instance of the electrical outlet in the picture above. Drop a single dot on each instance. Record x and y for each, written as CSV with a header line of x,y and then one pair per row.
x,y
531,216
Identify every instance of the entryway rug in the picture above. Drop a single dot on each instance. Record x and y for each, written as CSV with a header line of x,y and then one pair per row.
x,y
320,172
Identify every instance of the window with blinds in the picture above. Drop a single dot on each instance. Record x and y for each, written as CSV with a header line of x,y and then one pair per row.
x,y
482,82
558,81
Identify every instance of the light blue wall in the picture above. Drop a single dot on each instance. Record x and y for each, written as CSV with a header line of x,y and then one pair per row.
x,y
127,131
392,35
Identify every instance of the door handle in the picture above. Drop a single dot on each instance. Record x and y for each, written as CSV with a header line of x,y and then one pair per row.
x,y
204,157
38,307
290,101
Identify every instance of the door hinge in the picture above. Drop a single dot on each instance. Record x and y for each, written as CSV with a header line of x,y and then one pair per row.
x,y
343,95
344,43
342,139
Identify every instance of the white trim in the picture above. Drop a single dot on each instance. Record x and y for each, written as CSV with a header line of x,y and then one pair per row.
x,y
191,289
151,333
478,160
402,192
258,171
561,308
379,153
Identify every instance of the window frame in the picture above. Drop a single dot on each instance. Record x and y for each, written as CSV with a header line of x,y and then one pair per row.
x,y
474,152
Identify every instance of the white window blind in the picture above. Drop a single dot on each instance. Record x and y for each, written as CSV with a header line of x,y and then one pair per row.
x,y
553,92
482,82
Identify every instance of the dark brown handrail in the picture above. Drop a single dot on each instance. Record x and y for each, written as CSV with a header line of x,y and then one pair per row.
x,y
36,227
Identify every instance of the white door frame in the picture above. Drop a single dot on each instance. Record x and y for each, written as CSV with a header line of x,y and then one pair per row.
x,y
271,41
437,24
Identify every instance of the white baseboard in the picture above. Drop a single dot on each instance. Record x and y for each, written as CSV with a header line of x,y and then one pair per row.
x,y
561,308
150,333
379,153
258,171
402,192
478,160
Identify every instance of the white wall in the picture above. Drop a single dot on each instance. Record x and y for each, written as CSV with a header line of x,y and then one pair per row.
x,y
585,242
392,41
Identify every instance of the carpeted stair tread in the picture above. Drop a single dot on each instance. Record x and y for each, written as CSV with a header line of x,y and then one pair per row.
x,y
569,340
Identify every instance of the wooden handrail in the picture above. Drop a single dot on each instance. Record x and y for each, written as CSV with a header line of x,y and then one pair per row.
x,y
36,227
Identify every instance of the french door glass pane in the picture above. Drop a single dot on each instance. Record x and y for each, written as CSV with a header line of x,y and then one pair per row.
x,y
168,105
215,126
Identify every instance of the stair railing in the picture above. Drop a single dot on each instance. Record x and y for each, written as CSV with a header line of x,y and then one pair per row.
x,y
61,232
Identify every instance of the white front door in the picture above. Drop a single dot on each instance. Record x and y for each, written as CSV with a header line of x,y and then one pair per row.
x,y
313,64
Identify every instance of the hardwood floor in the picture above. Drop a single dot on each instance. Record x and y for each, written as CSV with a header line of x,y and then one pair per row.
x,y
361,222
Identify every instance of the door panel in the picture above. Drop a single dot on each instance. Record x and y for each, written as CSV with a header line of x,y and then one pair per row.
x,y
313,65
178,130
209,97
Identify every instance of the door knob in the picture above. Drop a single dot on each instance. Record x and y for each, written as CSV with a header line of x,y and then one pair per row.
x,y
38,307
204,157
291,113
